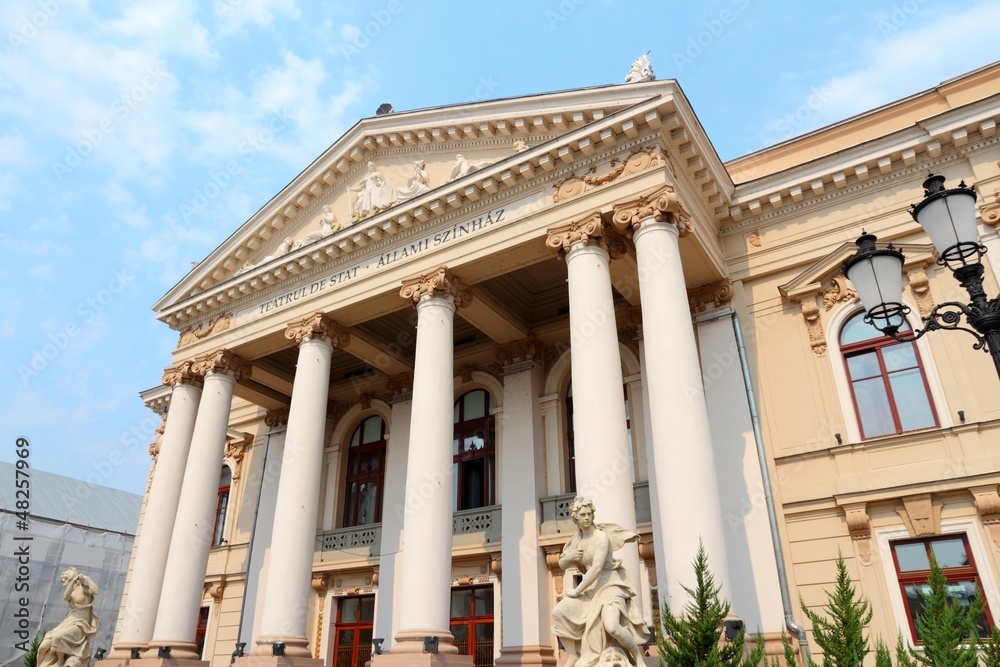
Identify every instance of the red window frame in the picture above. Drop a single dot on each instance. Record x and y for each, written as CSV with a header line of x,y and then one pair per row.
x,y
877,344
201,630
485,427
468,623
221,507
967,572
358,454
356,628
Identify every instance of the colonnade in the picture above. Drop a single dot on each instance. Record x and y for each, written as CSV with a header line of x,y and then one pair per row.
x,y
191,449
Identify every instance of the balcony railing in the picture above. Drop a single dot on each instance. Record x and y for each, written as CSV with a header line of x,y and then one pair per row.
x,y
479,520
556,508
360,540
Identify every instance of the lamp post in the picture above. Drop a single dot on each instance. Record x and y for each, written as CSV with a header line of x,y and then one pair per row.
x,y
949,218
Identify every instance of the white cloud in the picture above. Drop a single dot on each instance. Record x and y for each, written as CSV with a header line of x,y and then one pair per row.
x,y
923,50
165,27
9,186
234,15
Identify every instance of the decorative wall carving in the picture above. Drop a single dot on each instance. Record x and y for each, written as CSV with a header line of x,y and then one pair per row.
x,y
753,238
222,361
859,525
631,329
920,286
320,584
921,514
276,418
988,504
235,450
399,384
839,291
519,351
817,337
210,328
438,281
713,295
990,213
639,160
318,325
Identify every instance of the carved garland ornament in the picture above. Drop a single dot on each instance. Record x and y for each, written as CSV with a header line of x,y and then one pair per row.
x,y
318,325
235,450
639,160
817,337
921,288
839,291
222,361
210,328
440,281
320,584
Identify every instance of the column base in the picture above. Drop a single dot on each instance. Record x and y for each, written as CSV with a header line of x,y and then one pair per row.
x,y
421,660
538,656
295,647
275,661
121,655
167,662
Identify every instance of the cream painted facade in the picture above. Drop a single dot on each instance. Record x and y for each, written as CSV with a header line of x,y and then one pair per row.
x,y
580,251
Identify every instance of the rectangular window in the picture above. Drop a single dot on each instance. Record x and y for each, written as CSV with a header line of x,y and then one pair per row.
x,y
472,623
912,560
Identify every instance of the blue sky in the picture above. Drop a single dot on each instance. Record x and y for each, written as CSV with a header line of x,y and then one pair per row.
x,y
136,136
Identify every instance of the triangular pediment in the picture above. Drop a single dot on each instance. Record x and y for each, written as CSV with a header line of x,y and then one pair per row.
x,y
393,171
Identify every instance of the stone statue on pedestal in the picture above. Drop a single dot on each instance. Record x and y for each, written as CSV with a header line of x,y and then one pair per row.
x,y
68,644
599,621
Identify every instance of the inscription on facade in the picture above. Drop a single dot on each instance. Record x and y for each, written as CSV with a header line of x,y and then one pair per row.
x,y
377,262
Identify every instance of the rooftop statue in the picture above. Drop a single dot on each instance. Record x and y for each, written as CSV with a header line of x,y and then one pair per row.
x,y
599,621
68,644
641,70
417,185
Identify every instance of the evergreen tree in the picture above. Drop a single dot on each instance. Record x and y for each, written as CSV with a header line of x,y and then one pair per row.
x,y
840,632
949,632
991,649
31,657
693,639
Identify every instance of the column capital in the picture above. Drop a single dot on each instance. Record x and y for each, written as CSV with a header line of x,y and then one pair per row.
x,y
318,325
222,361
586,229
400,384
523,351
712,295
276,418
181,373
660,206
439,282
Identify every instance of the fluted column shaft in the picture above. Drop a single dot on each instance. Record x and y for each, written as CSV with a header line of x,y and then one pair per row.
x,y
150,562
293,538
685,460
191,539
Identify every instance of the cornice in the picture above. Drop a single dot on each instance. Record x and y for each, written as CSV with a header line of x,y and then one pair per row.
x,y
586,138
928,143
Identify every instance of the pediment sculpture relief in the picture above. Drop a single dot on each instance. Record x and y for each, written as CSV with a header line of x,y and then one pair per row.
x,y
372,195
463,167
417,185
327,225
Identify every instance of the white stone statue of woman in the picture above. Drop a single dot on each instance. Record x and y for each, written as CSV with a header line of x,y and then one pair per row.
x,y
599,620
68,644
417,185
327,225
373,194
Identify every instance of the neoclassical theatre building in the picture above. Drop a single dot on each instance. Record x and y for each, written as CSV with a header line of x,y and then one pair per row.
x,y
392,380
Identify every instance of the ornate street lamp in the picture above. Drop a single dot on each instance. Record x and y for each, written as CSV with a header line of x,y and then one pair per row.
x,y
949,218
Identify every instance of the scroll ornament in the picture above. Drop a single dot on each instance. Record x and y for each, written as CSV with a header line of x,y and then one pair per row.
x,y
318,325
438,281
222,361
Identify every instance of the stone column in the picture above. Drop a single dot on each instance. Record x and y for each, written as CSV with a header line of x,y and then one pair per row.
x,y
393,507
603,458
427,517
191,539
161,509
526,613
293,538
684,460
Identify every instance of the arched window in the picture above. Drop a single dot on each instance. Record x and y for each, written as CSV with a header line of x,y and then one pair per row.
x,y
474,451
888,383
365,473
571,445
222,506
